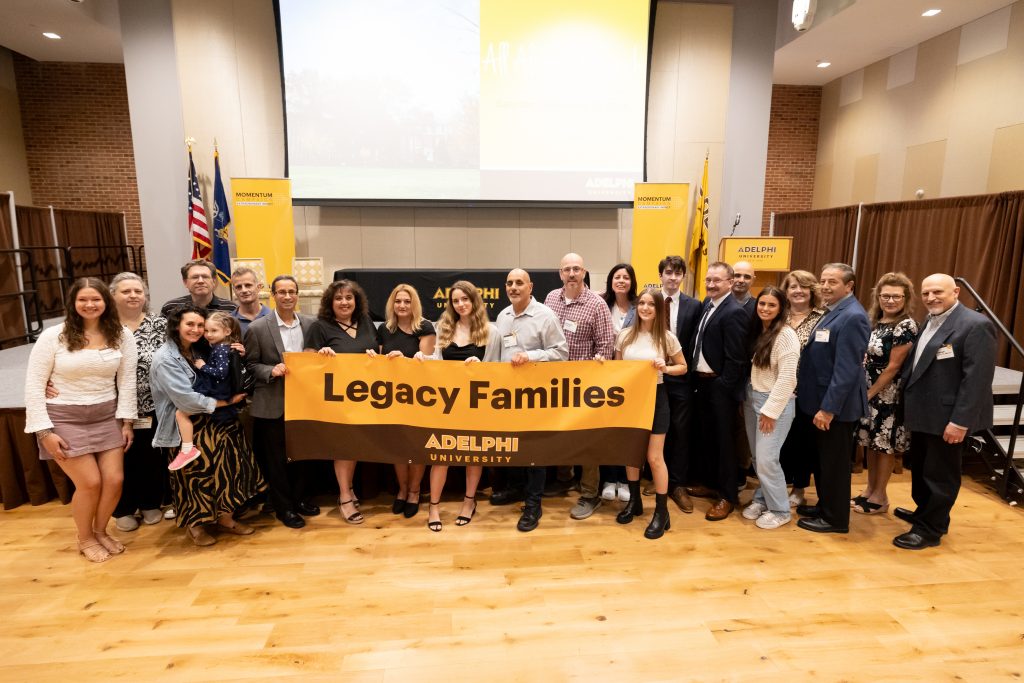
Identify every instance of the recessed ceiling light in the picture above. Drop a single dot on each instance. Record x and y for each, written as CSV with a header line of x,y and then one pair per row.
x,y
51,35
930,12
824,65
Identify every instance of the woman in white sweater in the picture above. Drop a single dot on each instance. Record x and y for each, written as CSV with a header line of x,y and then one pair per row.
x,y
770,405
90,359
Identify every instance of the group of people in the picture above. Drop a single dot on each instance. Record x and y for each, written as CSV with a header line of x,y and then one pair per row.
x,y
785,383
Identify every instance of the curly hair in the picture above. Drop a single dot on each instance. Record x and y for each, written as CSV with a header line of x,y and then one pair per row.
x,y
609,294
391,320
362,307
479,324
892,280
174,323
73,335
659,326
762,340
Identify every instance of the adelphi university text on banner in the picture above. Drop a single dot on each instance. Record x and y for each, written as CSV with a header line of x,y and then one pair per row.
x,y
264,227
659,227
401,410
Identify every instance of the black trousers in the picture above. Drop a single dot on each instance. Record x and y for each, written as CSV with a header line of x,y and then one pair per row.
x,y
716,413
798,452
268,446
678,440
832,478
934,482
145,474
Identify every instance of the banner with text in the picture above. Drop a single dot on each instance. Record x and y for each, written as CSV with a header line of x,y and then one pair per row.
x,y
399,410
659,228
264,225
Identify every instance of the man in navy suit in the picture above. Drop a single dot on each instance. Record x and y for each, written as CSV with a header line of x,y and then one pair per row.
x,y
683,315
831,387
719,371
947,395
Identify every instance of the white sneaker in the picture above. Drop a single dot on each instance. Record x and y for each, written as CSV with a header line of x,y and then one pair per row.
x,y
152,516
169,513
608,492
754,510
797,499
623,492
126,523
771,520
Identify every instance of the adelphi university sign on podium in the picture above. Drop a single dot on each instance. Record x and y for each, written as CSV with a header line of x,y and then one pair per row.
x,y
766,254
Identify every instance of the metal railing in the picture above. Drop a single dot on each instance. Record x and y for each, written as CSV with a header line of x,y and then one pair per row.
x,y
1011,480
29,299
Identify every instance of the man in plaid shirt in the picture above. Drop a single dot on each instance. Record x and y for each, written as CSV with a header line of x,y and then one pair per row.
x,y
587,325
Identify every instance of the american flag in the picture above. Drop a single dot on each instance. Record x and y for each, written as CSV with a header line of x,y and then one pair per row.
x,y
202,247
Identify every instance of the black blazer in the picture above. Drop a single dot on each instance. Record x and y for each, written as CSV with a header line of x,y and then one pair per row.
x,y
687,319
724,345
957,387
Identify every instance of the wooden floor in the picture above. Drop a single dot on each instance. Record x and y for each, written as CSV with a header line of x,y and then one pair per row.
x,y
590,601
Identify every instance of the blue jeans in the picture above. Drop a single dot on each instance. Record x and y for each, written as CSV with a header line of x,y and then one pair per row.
x,y
766,448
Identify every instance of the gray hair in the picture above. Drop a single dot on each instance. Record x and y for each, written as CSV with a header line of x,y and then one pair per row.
x,y
847,272
128,275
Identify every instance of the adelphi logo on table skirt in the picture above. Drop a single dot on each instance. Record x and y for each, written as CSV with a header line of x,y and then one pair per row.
x,y
400,410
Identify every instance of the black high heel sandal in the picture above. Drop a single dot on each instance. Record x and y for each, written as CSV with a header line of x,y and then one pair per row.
x,y
463,520
434,526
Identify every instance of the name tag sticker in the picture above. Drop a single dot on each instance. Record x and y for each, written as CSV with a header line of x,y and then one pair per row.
x,y
569,325
821,336
509,340
142,423
945,351
108,354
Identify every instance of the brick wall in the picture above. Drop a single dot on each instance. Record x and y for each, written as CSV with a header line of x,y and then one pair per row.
x,y
792,150
78,137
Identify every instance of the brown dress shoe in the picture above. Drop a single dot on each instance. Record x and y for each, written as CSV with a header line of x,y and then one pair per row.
x,y
701,492
719,511
679,497
200,536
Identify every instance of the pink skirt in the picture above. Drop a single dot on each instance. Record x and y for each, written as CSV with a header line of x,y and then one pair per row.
x,y
85,429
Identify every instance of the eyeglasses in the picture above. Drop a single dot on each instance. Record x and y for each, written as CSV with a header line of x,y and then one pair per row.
x,y
572,269
714,280
200,277
891,297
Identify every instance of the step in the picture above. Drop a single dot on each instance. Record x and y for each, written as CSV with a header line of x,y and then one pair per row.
x,y
1004,441
1006,381
1003,415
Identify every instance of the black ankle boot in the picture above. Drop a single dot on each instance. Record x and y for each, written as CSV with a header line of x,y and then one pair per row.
x,y
635,506
660,522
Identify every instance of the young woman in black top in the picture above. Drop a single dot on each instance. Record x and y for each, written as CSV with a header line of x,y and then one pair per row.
x,y
464,333
404,334
343,326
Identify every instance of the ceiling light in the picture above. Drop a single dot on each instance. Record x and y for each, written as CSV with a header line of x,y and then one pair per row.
x,y
930,12
824,65
51,35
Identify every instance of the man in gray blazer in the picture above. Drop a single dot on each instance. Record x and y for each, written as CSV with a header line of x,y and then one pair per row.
x,y
266,341
947,395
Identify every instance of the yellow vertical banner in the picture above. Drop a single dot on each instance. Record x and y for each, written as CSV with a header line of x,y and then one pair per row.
x,y
264,227
659,227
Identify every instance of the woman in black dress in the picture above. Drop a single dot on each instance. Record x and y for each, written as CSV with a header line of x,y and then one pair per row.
x,y
464,333
343,326
404,334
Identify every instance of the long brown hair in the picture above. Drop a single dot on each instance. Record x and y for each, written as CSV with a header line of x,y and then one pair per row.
x,y
892,280
360,311
73,335
764,339
478,321
659,326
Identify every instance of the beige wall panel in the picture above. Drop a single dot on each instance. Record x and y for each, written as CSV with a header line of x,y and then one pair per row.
x,y
663,92
1006,170
442,247
599,248
828,122
927,102
389,238
625,235
14,164
331,232
822,187
492,247
660,151
440,218
705,55
600,219
924,170
865,179
667,37
543,246
492,218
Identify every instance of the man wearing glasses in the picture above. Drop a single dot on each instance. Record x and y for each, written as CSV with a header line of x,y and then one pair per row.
x,y
587,325
199,278
266,341
720,366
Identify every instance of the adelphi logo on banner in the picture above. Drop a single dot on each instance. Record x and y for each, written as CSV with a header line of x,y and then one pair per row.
x,y
401,410
490,295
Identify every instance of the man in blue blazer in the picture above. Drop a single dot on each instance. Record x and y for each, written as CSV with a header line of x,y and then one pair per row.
x,y
832,388
947,395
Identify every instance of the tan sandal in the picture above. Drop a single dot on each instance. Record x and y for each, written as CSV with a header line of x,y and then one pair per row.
x,y
113,546
93,551
200,536
236,528
356,517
